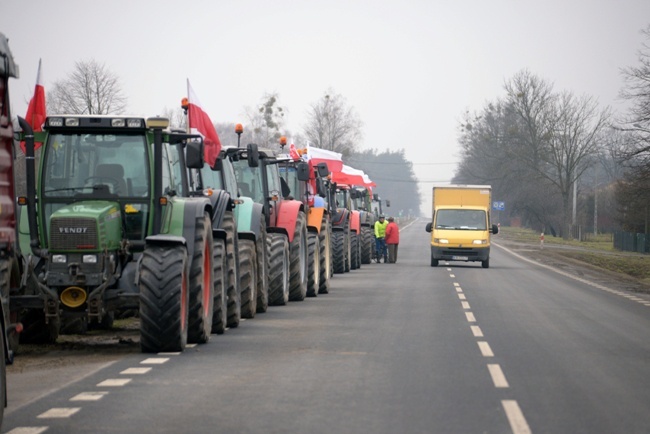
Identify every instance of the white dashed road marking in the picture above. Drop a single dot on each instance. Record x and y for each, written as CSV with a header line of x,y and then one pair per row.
x,y
155,361
89,396
462,297
476,330
28,430
59,413
135,371
485,349
465,304
515,417
114,382
470,317
497,376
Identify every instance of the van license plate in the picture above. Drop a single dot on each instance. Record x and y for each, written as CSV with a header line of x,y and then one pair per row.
x,y
459,258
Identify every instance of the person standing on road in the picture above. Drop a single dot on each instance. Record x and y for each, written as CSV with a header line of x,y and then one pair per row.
x,y
392,240
380,239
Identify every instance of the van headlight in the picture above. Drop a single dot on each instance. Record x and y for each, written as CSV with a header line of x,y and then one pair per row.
x,y
441,240
479,242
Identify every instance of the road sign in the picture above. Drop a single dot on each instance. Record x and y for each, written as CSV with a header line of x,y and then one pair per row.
x,y
498,205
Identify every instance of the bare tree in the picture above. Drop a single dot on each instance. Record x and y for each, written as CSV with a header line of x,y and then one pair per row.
x,y
333,125
266,121
91,88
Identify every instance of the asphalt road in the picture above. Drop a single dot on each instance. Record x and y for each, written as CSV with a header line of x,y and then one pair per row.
x,y
394,348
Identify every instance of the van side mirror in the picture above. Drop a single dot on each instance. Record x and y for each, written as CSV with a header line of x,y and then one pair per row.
x,y
495,229
428,227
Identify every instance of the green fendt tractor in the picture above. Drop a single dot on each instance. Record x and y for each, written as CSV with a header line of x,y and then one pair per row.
x,y
112,223
286,222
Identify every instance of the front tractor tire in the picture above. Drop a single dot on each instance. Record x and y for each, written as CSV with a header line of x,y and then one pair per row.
x,y
232,272
248,278
164,298
201,305
313,262
338,246
278,249
325,243
298,261
220,266
262,269
355,256
367,245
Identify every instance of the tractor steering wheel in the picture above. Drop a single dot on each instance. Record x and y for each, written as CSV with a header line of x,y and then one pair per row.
x,y
94,180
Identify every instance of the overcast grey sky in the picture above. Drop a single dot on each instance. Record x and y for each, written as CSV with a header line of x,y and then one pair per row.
x,y
410,68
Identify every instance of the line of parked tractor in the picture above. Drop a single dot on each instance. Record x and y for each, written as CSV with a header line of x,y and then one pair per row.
x,y
122,214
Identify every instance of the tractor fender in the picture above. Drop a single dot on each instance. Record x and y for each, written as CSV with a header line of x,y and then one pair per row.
x,y
220,202
315,219
355,223
288,215
248,215
180,221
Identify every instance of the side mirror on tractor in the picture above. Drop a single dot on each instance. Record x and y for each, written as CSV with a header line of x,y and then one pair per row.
x,y
302,171
323,170
194,154
253,155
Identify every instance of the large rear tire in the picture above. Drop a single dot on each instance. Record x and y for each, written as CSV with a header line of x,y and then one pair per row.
x,y
347,247
248,278
298,261
232,254
262,269
201,305
325,243
278,269
164,298
220,264
313,263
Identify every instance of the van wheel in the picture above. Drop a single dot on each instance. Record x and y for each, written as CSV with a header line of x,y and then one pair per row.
x,y
434,262
486,263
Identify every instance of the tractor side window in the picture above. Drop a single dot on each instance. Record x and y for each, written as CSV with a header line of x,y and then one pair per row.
x,y
166,172
177,171
211,178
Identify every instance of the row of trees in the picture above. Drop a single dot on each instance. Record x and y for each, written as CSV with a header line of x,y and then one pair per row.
x,y
557,158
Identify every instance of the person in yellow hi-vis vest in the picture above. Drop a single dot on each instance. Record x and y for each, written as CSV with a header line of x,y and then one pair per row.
x,y
380,239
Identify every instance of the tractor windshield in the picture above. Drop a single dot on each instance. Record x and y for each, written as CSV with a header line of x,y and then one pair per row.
x,y
86,167
249,180
95,164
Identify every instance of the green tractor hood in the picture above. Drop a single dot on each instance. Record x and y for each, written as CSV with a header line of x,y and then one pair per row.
x,y
91,226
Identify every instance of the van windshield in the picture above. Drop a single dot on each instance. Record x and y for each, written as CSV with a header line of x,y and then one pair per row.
x,y
461,219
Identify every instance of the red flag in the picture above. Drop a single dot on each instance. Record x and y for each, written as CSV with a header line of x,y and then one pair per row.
x,y
200,123
36,111
293,152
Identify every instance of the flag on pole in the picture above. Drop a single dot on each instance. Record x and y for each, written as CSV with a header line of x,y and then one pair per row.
x,y
36,110
293,152
199,122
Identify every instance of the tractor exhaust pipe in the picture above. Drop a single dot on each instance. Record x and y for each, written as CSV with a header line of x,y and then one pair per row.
x,y
30,169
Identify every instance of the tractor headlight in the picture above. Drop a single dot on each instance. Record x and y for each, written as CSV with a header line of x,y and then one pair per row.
x,y
441,240
89,259
71,122
119,122
479,242
59,259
